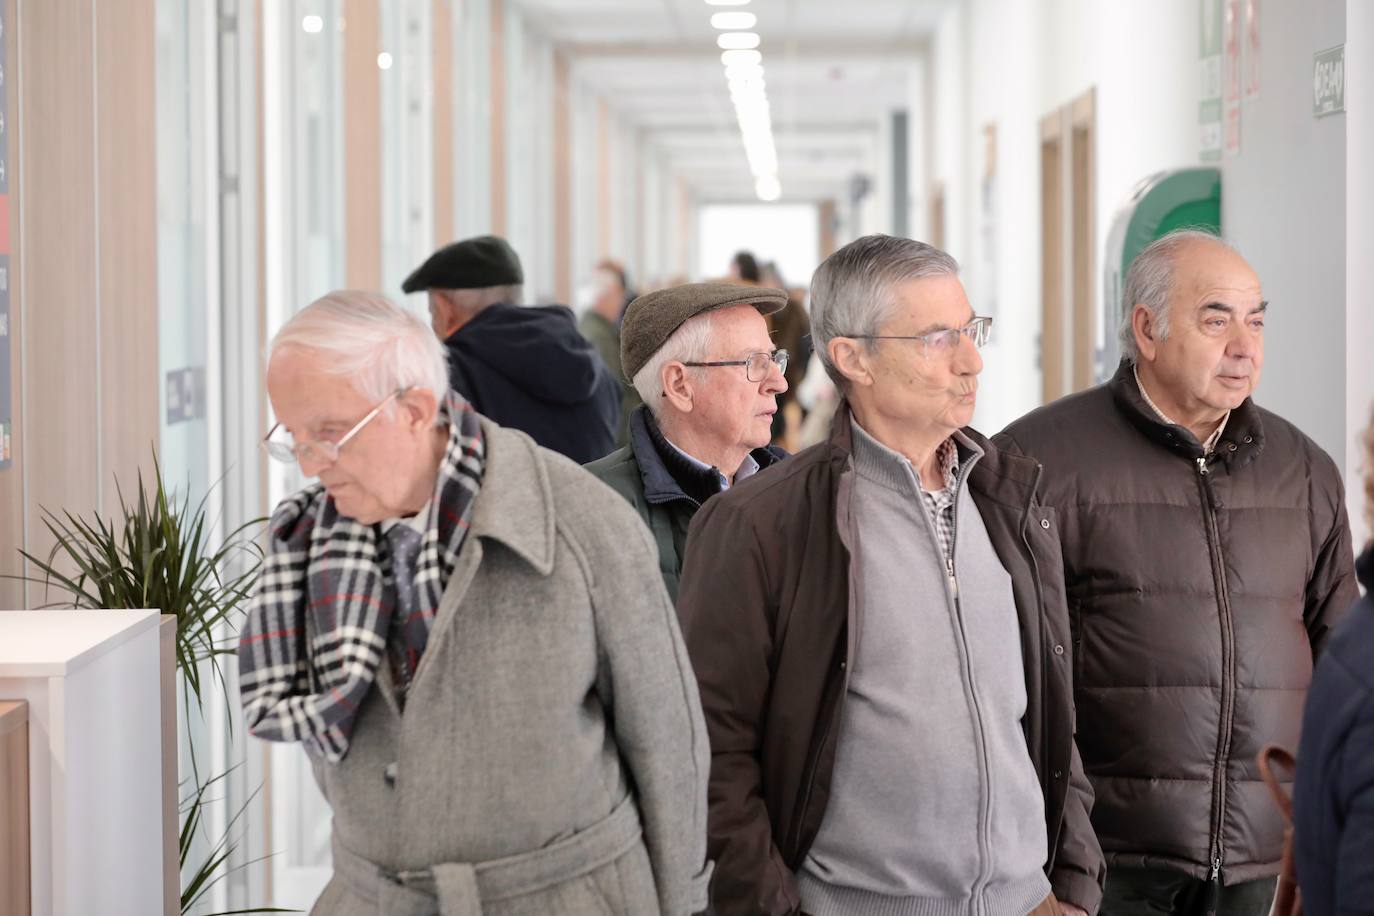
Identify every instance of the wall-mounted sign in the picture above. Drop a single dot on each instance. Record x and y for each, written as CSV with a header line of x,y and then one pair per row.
x,y
1328,81
1230,68
1252,49
1209,72
185,394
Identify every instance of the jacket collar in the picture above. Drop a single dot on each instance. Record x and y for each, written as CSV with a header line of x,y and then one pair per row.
x,y
667,475
515,505
1240,443
1007,479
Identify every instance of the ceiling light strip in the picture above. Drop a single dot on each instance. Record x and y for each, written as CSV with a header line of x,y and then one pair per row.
x,y
748,92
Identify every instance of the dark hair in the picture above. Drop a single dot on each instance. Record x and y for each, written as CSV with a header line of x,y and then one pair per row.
x,y
614,267
746,265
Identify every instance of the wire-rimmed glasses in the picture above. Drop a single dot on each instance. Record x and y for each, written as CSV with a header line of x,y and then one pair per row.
x,y
756,365
320,451
941,344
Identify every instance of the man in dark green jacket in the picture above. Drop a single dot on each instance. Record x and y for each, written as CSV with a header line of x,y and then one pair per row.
x,y
700,357
600,324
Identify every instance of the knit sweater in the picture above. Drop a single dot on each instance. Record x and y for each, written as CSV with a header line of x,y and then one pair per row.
x,y
935,807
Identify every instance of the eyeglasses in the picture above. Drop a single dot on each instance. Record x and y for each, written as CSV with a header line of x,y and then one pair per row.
x,y
320,450
941,344
756,365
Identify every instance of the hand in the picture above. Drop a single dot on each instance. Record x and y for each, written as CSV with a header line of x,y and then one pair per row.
x,y
1070,910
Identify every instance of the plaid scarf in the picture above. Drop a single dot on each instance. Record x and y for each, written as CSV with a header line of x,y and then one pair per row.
x,y
318,624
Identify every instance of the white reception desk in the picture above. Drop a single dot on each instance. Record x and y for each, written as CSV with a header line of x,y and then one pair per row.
x,y
92,682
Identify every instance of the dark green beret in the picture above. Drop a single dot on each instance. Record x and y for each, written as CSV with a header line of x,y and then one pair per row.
x,y
476,263
652,318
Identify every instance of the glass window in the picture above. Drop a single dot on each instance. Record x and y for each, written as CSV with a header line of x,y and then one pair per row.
x,y
407,142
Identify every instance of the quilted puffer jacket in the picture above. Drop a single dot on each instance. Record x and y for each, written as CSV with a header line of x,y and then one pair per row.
x,y
1199,589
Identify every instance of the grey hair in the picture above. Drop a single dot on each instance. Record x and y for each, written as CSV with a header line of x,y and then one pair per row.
x,y
689,343
374,343
852,290
474,300
1150,282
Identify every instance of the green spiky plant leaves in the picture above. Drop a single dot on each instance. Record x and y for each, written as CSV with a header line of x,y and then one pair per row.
x,y
157,552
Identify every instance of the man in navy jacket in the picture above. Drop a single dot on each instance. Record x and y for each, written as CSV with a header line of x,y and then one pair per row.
x,y
1334,796
522,367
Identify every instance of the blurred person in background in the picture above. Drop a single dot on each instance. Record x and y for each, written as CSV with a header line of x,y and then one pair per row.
x,y
744,268
1333,796
608,295
790,328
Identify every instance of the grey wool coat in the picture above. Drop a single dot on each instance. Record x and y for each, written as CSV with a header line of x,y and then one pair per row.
x,y
553,714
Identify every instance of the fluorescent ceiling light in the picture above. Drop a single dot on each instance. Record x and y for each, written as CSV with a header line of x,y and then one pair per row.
x,y
730,21
726,2
735,41
744,72
768,188
733,58
384,61
312,24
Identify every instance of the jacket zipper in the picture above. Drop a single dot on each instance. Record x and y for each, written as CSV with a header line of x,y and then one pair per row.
x,y
1228,664
985,802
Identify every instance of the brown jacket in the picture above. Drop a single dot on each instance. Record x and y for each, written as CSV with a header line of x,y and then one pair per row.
x,y
767,616
1198,593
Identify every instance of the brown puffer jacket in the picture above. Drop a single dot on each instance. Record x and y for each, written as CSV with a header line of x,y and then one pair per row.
x,y
1198,590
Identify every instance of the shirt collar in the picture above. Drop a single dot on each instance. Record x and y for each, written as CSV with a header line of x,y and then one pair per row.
x,y
1207,447
749,468
892,468
419,521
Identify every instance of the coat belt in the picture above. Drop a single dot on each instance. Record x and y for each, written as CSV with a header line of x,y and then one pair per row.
x,y
460,888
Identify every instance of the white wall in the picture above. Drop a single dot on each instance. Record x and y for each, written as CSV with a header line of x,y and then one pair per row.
x,y
1284,205
1009,63
786,233
1359,243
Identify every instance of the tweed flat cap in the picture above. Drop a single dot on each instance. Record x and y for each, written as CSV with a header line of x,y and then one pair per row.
x,y
475,263
652,318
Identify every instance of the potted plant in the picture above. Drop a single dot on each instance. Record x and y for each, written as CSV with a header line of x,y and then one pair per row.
x,y
157,553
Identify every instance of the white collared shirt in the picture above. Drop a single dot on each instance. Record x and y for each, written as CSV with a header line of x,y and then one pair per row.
x,y
1207,447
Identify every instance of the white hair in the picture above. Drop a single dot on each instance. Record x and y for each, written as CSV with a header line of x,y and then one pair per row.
x,y
1150,282
852,290
478,298
374,343
689,343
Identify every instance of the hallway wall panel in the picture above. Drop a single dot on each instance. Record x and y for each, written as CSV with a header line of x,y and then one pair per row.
x,y
83,287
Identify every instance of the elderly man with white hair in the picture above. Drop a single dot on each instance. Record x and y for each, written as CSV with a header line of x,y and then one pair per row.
x,y
466,634
880,637
702,361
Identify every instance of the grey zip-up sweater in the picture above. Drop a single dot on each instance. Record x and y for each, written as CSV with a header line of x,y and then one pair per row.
x,y
935,807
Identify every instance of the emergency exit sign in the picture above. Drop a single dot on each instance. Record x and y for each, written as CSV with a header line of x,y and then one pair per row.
x,y
1328,81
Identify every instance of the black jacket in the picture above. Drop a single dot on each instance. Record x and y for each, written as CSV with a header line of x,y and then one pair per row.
x,y
1334,795
1199,590
530,369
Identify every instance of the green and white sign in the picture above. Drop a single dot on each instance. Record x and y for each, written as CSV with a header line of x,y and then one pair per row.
x,y
1209,108
1328,81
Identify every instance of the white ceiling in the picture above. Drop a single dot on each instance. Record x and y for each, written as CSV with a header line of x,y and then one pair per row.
x,y
834,70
